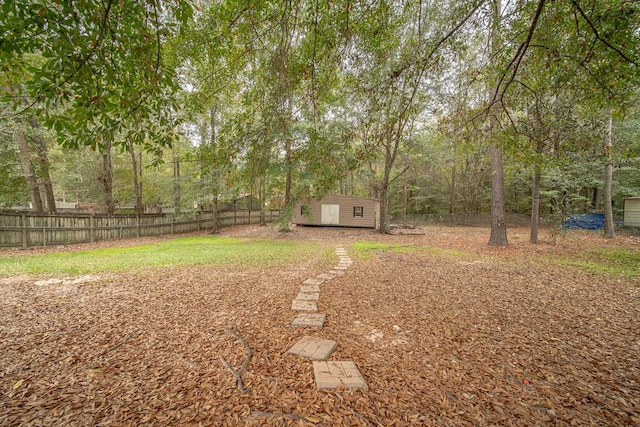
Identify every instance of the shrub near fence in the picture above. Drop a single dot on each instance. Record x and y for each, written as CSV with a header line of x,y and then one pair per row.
x,y
29,229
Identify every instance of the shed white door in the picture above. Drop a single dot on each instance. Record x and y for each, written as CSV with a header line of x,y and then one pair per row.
x,y
330,215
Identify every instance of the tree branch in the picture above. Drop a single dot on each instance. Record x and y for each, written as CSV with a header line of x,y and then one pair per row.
x,y
425,60
96,44
158,41
517,59
399,175
602,40
243,368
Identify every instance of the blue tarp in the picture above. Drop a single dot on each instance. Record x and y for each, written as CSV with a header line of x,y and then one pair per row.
x,y
588,221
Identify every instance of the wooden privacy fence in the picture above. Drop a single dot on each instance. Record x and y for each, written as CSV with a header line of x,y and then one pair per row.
x,y
28,229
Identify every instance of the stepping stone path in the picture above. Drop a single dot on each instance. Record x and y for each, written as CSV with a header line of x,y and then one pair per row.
x,y
309,288
313,348
328,374
332,375
313,296
304,305
311,320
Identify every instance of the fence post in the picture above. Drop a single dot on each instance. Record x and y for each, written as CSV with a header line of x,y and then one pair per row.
x,y
92,231
249,216
235,216
44,237
138,225
171,232
23,223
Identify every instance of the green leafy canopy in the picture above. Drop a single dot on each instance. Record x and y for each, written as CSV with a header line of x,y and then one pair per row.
x,y
100,66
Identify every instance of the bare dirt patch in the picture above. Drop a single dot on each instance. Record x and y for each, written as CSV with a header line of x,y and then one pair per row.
x,y
499,336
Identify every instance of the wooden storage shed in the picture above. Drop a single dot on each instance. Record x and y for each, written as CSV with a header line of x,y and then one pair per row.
x,y
632,212
338,210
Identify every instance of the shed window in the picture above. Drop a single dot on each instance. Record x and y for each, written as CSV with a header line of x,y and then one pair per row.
x,y
304,210
358,211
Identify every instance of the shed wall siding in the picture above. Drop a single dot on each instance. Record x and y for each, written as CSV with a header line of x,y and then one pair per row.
x,y
632,212
347,203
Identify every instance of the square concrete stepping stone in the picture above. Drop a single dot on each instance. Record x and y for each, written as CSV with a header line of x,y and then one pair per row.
x,y
337,272
340,267
304,305
313,348
309,288
303,296
313,282
325,276
333,374
309,320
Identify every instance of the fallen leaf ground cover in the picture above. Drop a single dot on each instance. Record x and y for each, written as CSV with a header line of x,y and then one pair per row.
x,y
445,330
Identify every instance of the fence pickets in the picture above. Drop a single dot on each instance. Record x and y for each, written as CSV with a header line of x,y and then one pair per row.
x,y
29,230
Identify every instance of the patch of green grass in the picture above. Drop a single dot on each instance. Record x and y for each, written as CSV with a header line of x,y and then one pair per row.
x,y
364,249
607,261
181,251
329,258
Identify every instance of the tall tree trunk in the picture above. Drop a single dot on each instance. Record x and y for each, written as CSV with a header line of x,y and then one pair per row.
x,y
177,193
498,235
261,197
214,169
609,229
391,147
106,177
137,185
405,199
535,197
452,189
28,169
351,183
204,158
384,205
595,200
285,103
373,181
288,167
285,216
286,119
44,175
535,206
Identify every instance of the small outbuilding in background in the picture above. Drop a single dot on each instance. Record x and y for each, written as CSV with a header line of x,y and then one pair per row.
x,y
632,212
338,210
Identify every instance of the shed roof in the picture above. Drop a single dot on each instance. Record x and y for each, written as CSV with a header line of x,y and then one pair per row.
x,y
344,196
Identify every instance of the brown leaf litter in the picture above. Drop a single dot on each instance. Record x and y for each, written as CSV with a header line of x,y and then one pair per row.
x,y
499,336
